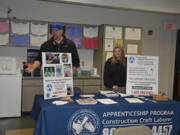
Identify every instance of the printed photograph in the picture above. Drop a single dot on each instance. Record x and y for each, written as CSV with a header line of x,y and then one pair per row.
x,y
64,58
52,58
49,72
69,89
59,71
67,70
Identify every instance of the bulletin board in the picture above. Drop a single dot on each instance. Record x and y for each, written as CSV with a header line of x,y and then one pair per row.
x,y
132,40
127,37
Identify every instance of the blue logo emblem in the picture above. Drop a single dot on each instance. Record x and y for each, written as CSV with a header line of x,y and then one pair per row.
x,y
84,122
131,59
49,87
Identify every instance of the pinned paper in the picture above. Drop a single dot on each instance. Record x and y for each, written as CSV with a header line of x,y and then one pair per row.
x,y
38,40
20,28
113,32
4,26
39,29
90,32
20,40
108,45
4,39
132,48
133,34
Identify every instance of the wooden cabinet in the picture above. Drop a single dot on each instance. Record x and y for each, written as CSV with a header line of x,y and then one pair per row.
x,y
34,85
91,85
30,87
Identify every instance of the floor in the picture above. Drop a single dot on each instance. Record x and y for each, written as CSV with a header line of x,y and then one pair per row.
x,y
23,125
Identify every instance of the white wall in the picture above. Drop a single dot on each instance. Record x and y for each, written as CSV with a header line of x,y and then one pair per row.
x,y
162,43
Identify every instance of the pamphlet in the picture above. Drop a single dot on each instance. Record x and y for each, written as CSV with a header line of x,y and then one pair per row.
x,y
107,101
86,101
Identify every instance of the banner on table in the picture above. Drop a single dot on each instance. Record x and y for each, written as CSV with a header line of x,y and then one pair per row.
x,y
142,75
57,75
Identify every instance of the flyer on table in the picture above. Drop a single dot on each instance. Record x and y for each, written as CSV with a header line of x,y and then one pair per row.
x,y
142,75
57,75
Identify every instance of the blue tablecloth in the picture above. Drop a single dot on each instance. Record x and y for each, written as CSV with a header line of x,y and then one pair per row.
x,y
100,119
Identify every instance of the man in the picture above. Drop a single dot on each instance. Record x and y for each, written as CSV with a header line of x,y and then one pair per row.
x,y
58,43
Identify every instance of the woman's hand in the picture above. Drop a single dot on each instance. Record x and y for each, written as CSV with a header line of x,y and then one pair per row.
x,y
115,88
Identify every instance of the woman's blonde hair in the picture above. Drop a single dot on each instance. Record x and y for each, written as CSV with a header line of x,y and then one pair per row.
x,y
122,58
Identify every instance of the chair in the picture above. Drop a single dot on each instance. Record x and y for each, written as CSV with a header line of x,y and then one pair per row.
x,y
136,130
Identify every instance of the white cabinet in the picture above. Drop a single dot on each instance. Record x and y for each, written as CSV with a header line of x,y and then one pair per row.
x,y
10,95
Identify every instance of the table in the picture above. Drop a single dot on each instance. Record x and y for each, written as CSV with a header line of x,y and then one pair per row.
x,y
100,119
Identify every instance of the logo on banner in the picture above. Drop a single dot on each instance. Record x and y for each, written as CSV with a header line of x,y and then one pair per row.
x,y
131,59
84,122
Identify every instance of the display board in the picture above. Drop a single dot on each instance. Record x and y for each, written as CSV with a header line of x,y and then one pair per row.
x,y
142,75
57,75
132,40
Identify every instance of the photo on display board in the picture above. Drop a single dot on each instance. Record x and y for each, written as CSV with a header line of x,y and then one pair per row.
x,y
49,72
52,58
67,70
58,70
64,58
69,89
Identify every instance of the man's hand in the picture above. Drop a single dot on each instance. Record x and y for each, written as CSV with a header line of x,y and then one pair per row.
x,y
31,68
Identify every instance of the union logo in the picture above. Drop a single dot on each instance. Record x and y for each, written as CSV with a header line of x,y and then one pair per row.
x,y
131,59
84,122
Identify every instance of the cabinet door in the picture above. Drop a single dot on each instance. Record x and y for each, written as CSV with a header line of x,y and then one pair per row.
x,y
91,89
28,97
34,82
77,83
92,82
91,85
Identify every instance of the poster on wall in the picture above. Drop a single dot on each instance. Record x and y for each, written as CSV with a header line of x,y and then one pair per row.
x,y
57,75
142,75
7,65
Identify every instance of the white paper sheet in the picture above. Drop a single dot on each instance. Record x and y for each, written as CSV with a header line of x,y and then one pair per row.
x,y
107,101
123,95
108,45
133,34
20,28
134,100
90,32
113,32
4,39
39,29
132,48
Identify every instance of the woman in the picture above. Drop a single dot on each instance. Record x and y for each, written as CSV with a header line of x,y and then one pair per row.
x,y
115,70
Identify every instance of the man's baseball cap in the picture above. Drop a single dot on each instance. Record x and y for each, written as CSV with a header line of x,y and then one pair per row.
x,y
56,26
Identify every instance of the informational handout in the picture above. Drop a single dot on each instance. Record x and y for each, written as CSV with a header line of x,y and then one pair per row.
x,y
134,100
107,101
142,75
